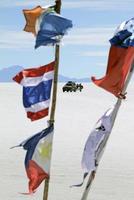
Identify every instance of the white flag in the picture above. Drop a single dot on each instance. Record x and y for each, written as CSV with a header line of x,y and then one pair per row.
x,y
96,141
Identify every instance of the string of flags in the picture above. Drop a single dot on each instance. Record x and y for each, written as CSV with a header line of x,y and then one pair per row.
x,y
37,82
121,57
49,27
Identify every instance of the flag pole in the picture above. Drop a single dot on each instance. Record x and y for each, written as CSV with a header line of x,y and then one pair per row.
x,y
54,95
119,101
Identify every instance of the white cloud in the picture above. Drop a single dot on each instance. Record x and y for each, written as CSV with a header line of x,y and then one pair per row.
x,y
81,36
101,64
89,36
100,4
18,40
9,3
78,4
94,53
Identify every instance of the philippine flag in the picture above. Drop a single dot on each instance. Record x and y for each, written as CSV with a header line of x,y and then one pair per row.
x,y
37,83
38,157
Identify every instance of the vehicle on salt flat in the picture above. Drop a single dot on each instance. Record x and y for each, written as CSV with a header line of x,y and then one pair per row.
x,y
71,86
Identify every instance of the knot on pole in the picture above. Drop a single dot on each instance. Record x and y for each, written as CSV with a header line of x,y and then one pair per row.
x,y
51,121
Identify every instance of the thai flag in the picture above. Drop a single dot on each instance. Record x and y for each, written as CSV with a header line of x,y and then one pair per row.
x,y
36,84
38,157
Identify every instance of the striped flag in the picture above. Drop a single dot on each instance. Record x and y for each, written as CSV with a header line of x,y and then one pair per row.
x,y
36,84
38,157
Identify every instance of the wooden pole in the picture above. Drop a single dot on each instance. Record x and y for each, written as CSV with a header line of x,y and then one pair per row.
x,y
54,95
114,115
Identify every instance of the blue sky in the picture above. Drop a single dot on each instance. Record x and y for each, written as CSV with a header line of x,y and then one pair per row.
x,y
83,51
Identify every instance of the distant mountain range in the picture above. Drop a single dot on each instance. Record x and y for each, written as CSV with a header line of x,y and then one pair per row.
x,y
65,79
6,75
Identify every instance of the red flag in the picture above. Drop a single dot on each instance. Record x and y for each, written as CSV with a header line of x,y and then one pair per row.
x,y
119,64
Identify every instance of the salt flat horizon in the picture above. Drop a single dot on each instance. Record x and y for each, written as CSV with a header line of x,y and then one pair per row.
x,y
76,115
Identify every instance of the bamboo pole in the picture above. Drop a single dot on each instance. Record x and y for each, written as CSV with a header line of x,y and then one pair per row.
x,y
54,95
118,104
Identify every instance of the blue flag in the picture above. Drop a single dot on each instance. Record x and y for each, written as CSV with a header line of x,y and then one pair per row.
x,y
124,35
52,27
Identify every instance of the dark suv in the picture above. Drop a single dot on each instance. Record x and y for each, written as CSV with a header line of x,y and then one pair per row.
x,y
70,86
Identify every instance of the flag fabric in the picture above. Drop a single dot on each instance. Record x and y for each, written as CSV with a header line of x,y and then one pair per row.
x,y
48,26
119,65
95,144
31,16
38,157
37,83
51,28
121,56
124,34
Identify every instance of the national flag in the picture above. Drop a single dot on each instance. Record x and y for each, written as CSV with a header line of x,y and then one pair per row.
x,y
51,28
119,65
121,56
96,142
124,34
31,16
38,157
48,26
36,84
